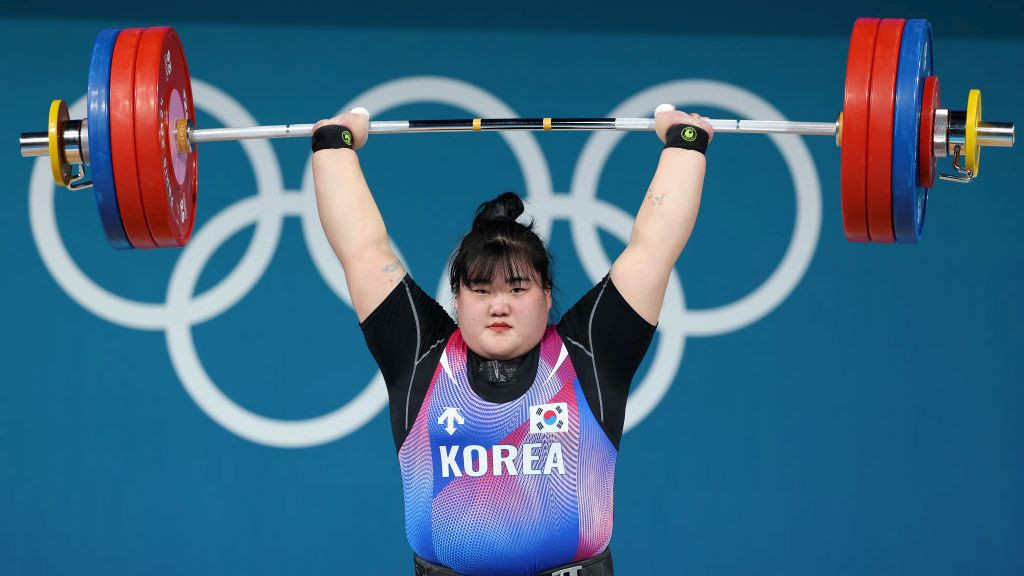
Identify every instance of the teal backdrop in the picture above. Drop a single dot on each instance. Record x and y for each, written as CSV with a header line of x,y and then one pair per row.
x,y
809,406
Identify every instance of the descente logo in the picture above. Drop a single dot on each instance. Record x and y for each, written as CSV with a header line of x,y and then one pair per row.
x,y
501,459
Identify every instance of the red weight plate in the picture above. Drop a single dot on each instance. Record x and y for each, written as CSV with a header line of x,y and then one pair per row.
x,y
122,139
853,165
926,152
163,95
880,124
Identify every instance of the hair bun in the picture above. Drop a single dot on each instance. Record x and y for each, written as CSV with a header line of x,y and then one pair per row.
x,y
507,206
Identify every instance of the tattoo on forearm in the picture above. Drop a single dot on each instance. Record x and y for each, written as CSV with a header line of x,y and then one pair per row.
x,y
656,199
395,271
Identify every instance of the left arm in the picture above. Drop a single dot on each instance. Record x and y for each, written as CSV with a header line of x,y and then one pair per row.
x,y
663,223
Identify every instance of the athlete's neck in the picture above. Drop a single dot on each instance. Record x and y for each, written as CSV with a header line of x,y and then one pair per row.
x,y
498,371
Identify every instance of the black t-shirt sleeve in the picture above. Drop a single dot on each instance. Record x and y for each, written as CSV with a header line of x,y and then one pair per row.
x,y
406,334
607,341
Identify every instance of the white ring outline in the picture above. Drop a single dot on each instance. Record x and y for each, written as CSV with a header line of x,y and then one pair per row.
x,y
806,228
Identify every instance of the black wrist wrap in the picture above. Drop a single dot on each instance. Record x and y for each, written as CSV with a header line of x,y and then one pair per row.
x,y
687,137
332,136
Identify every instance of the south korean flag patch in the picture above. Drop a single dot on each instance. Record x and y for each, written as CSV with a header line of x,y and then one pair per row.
x,y
549,418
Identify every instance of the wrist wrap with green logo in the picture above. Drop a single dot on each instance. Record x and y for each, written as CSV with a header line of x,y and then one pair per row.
x,y
332,136
687,137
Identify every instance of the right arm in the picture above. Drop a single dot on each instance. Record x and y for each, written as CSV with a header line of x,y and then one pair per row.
x,y
352,222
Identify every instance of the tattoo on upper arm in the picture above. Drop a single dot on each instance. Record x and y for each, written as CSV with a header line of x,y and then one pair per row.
x,y
656,199
395,271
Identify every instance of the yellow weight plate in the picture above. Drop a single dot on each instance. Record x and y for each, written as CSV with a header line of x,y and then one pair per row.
x,y
58,161
972,154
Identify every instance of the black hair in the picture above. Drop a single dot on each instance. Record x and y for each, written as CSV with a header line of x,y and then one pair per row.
x,y
497,241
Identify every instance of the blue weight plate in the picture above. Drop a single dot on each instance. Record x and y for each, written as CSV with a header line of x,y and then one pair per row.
x,y
99,140
909,200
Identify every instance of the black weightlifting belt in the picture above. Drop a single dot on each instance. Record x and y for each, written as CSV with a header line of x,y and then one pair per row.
x,y
600,565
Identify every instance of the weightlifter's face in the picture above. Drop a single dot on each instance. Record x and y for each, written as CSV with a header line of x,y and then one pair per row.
x,y
503,318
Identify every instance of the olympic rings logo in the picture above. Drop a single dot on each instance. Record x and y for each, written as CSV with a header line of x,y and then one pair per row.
x,y
266,210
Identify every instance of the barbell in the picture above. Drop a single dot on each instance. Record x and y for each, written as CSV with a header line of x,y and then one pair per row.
x,y
139,138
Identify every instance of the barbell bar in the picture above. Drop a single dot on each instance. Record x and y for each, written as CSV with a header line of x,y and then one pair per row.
x,y
139,138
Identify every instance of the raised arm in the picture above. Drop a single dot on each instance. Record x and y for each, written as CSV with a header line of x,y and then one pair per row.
x,y
664,222
351,220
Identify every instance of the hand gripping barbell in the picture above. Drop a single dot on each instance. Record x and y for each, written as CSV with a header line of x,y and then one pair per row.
x,y
139,137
